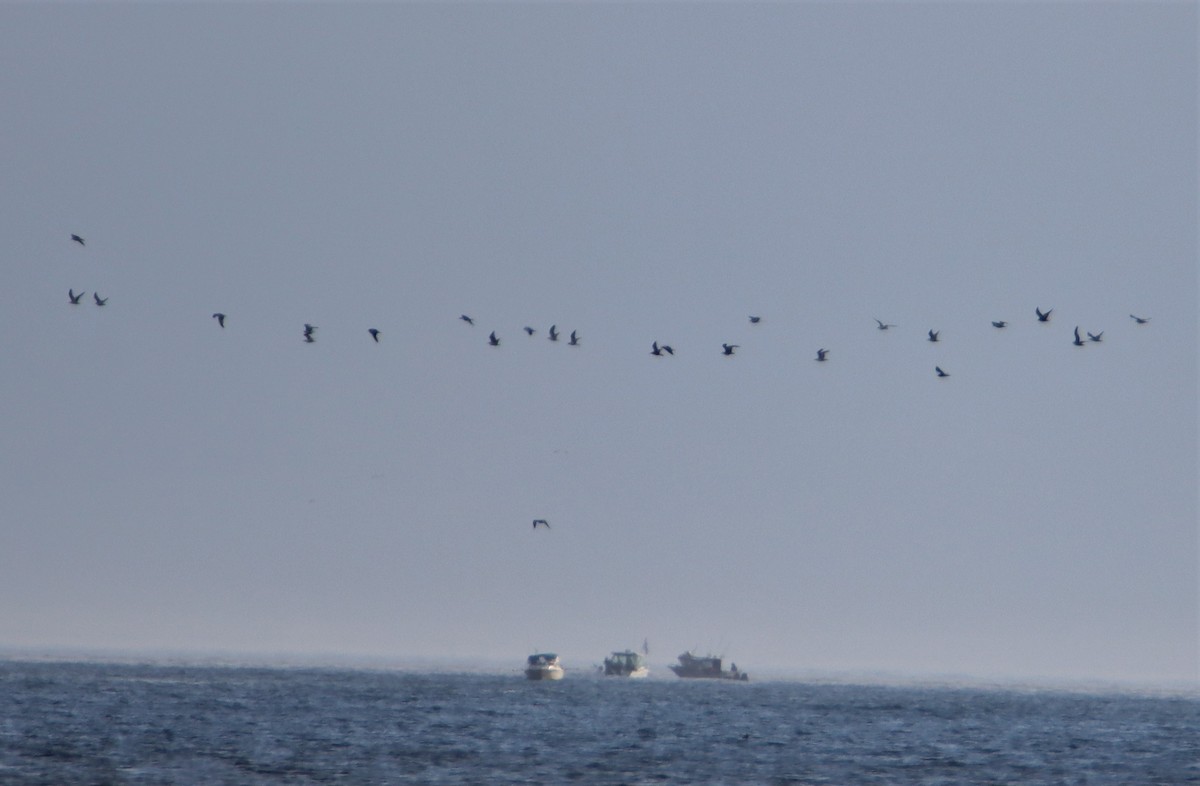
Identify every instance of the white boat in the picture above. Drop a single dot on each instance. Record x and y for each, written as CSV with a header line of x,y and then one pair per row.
x,y
543,666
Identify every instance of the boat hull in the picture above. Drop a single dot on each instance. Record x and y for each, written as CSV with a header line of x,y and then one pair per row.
x,y
544,672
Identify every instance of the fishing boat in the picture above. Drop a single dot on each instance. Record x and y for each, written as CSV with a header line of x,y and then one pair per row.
x,y
543,666
706,667
625,664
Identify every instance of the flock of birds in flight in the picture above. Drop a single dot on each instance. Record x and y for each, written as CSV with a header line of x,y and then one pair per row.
x,y
656,349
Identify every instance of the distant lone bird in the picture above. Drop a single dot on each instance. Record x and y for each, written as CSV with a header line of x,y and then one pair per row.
x,y
543,522
1096,337
755,320
467,319
1000,324
1078,341
728,348
220,318
1042,317
821,353
939,371
554,332
574,339
933,335
1139,320
374,334
100,301
883,325
78,240
530,330
495,342
74,298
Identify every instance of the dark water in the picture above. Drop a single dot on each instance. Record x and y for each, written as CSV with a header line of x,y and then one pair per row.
x,y
138,724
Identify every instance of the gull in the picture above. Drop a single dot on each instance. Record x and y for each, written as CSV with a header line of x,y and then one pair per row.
x,y
374,334
999,324
529,330
220,318
821,353
495,342
1078,341
1139,320
74,298
467,319
78,240
1042,317
543,522
574,339
939,371
933,335
1095,337
884,325
728,348
755,320
100,301
554,332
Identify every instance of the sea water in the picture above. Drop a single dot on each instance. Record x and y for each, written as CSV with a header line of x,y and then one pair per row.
x,y
92,723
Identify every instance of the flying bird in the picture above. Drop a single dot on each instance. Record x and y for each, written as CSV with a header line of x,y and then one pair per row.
x,y
78,240
467,319
1078,341
543,522
1096,337
656,350
374,334
74,298
100,301
728,348
668,349
1139,320
554,332
309,329
755,320
939,371
999,324
933,335
530,330
883,325
309,338
495,342
821,353
220,318
1042,317
574,339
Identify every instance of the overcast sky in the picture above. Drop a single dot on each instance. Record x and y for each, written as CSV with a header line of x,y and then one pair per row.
x,y
637,173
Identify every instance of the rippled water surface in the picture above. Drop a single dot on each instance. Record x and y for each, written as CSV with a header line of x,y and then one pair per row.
x,y
76,723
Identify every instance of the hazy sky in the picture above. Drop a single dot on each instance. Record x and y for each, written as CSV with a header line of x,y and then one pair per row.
x,y
638,173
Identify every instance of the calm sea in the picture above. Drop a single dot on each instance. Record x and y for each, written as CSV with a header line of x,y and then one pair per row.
x,y
87,723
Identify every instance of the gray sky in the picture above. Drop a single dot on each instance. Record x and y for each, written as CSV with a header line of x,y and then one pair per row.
x,y
637,173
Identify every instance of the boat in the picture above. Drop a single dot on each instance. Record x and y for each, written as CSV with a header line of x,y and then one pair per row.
x,y
625,664
543,666
706,667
